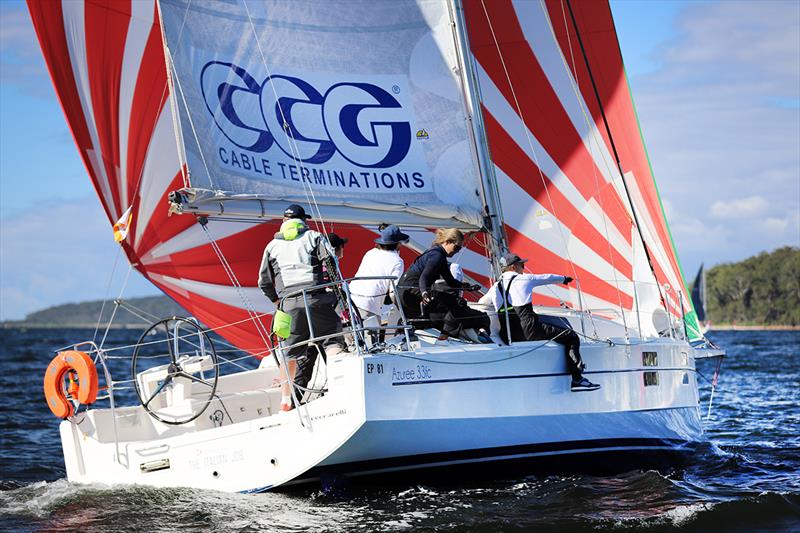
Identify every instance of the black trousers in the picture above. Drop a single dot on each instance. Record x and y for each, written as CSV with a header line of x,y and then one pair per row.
x,y
324,320
447,312
536,330
517,333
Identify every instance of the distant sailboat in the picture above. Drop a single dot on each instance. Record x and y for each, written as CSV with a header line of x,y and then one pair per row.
x,y
699,299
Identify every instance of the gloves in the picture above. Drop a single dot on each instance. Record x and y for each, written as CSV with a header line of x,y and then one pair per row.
x,y
567,280
427,297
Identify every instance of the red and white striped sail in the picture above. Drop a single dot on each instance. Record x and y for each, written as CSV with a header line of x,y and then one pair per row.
x,y
106,60
562,197
564,202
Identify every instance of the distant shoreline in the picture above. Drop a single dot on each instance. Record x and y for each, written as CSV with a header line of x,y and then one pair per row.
x,y
738,327
34,325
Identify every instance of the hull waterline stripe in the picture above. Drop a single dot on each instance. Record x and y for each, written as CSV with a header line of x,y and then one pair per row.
x,y
494,454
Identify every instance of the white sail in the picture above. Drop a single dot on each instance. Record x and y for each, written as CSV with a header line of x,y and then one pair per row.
x,y
332,104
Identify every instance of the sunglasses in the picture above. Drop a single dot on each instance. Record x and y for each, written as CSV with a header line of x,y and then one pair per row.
x,y
457,247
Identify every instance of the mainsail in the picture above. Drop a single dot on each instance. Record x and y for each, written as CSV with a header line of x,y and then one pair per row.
x,y
355,108
365,112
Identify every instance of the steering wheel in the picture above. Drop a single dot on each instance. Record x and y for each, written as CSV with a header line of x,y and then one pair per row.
x,y
171,352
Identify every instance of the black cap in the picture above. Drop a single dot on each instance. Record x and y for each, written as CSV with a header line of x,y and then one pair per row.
x,y
336,241
510,258
295,211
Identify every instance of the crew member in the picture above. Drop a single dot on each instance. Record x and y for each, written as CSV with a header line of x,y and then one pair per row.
x,y
443,308
369,295
337,243
514,290
292,261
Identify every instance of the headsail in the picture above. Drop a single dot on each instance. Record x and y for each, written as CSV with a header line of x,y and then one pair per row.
x,y
559,115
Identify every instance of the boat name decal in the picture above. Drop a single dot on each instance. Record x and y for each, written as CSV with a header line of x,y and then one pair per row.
x,y
419,372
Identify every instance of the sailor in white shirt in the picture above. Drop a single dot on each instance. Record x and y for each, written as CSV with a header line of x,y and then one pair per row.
x,y
383,260
513,294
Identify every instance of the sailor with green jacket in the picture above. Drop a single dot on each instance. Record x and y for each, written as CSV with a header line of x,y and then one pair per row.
x,y
292,261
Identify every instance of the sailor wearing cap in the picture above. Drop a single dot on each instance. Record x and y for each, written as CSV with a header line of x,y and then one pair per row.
x,y
383,260
511,296
293,260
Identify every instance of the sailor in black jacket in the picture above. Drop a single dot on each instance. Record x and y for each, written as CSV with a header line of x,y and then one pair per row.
x,y
446,310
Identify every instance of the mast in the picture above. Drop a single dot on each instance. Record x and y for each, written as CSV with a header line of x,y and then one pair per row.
x,y
493,215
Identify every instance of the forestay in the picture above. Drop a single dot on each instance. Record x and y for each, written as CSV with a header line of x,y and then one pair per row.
x,y
354,107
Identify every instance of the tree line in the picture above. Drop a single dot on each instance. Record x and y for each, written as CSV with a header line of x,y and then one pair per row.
x,y
760,290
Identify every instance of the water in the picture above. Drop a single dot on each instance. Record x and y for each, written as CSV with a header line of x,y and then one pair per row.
x,y
746,479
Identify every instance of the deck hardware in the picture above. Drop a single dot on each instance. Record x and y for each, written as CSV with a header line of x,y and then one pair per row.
x,y
154,466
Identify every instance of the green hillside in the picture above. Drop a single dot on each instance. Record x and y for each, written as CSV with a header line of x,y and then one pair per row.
x,y
762,290
86,313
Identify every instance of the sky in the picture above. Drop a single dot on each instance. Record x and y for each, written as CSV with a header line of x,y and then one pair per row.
x,y
716,86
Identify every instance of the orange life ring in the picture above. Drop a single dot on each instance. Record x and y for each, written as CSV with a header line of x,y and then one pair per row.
x,y
85,390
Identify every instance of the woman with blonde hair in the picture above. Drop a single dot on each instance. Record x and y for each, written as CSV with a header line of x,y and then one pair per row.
x,y
447,311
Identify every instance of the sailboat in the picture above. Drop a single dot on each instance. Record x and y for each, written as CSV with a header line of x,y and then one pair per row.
x,y
699,299
199,122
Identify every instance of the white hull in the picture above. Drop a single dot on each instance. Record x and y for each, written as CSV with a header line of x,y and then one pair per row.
x,y
438,405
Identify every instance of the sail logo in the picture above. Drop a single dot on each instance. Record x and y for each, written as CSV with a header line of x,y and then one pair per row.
x,y
362,122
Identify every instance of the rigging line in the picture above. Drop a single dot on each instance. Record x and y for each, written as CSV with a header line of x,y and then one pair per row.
x,y
289,133
105,297
138,313
613,144
575,85
307,186
260,327
528,136
218,328
114,312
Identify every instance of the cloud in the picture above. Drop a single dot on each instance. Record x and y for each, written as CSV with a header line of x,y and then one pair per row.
x,y
723,128
741,207
21,61
58,253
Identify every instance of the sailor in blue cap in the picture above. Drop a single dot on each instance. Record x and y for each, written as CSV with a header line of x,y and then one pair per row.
x,y
383,260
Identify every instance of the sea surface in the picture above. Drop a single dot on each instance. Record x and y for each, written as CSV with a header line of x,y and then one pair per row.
x,y
746,478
